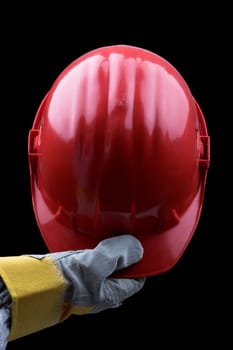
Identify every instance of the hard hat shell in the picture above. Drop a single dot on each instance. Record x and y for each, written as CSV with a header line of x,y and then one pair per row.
x,y
119,145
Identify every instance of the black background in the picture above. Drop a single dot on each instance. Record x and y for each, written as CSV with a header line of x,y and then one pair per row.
x,y
187,305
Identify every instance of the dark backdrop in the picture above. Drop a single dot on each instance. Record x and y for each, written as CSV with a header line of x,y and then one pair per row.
x,y
186,305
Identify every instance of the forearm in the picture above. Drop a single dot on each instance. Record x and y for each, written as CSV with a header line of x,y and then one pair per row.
x,y
36,287
5,301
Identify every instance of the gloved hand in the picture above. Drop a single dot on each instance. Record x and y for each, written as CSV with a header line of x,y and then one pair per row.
x,y
53,286
90,286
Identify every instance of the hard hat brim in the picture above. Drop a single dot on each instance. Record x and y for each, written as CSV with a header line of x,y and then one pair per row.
x,y
161,251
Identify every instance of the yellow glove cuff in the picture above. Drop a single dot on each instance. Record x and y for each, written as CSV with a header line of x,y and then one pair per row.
x,y
37,290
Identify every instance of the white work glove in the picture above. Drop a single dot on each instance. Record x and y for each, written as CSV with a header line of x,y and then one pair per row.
x,y
88,273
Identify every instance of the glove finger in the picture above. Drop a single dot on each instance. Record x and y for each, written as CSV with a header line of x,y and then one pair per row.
x,y
95,265
116,290
116,253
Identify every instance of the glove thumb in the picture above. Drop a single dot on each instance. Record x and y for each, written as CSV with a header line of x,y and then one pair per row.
x,y
116,290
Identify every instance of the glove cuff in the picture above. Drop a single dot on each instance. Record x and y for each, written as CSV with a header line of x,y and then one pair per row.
x,y
37,290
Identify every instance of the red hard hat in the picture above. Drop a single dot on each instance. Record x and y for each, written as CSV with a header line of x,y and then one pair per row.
x,y
119,145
